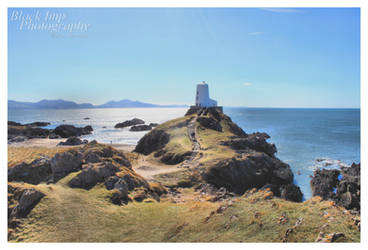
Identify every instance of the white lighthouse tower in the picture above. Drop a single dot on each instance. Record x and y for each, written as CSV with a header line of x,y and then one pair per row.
x,y
202,96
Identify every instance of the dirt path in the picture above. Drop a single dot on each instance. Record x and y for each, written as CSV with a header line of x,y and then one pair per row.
x,y
147,169
193,161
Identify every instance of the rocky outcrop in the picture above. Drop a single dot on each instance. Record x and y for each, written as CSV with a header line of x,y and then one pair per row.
x,y
33,124
341,186
65,163
20,203
210,123
28,199
140,128
251,170
72,141
255,141
35,172
27,132
153,141
152,124
92,173
129,123
66,131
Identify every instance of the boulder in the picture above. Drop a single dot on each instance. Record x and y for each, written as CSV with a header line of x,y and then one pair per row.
x,y
323,183
64,163
291,192
54,136
255,142
37,124
19,138
93,173
251,170
66,131
35,172
72,141
140,128
129,123
12,123
153,141
210,123
28,200
341,186
28,132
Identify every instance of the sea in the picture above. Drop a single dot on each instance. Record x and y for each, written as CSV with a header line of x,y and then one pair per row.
x,y
306,139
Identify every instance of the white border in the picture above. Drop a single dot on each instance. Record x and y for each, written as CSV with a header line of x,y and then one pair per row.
x,y
189,3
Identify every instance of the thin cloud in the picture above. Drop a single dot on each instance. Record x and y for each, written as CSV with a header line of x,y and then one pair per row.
x,y
282,10
247,84
257,33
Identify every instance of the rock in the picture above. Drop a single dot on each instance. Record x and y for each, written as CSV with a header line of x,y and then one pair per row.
x,y
252,170
19,138
324,182
54,136
333,237
11,123
93,173
118,197
291,192
341,186
256,141
66,131
87,130
86,118
140,128
28,200
28,132
33,124
36,172
128,123
158,188
110,182
152,124
210,123
64,163
72,141
37,124
153,141
93,153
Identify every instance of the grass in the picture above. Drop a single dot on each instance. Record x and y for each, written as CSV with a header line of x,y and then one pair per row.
x,y
17,155
76,215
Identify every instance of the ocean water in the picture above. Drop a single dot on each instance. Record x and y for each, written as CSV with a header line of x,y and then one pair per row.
x,y
305,138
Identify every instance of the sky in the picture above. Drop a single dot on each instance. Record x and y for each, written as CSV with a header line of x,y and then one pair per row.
x,y
253,57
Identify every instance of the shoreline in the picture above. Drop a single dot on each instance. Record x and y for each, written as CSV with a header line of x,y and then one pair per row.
x,y
52,143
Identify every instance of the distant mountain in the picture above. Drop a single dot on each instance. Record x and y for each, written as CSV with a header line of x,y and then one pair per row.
x,y
48,104
62,104
127,104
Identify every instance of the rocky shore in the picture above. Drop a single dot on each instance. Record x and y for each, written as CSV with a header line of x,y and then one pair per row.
x,y
197,172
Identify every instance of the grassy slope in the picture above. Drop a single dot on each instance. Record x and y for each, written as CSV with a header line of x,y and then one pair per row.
x,y
16,155
209,140
74,215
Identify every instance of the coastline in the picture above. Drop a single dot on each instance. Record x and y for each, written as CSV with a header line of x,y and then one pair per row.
x,y
51,143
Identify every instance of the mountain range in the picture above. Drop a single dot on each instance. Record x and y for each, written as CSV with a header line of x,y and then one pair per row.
x,y
62,104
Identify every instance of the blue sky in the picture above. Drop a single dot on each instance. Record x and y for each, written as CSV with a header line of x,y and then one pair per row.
x,y
249,56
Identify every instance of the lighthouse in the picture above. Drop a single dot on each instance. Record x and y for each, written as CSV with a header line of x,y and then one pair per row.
x,y
203,97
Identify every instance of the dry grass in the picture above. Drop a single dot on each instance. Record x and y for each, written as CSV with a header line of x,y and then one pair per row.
x,y
17,155
76,215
